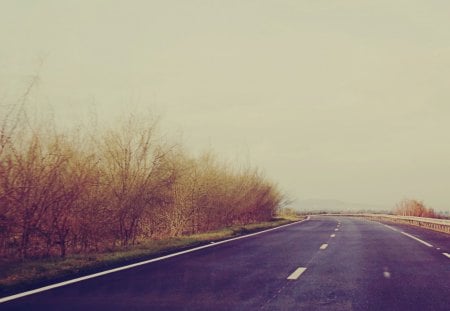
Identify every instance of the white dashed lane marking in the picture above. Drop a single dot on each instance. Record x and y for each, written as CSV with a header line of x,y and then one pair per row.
x,y
296,274
323,246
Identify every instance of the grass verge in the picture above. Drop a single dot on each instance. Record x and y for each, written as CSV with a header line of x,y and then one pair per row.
x,y
17,276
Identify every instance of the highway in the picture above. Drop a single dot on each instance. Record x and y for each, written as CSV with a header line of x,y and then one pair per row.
x,y
324,263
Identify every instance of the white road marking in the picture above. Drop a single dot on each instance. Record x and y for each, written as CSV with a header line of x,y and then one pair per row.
x,y
446,255
336,229
333,235
417,239
387,274
91,276
390,227
323,246
296,274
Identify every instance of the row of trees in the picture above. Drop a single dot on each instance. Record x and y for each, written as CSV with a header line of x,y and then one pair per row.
x,y
411,207
72,193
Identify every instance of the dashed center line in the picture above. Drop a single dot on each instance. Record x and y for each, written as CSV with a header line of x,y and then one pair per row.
x,y
336,229
296,274
417,239
333,235
446,255
324,246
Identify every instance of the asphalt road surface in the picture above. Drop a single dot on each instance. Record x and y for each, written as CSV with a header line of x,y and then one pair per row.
x,y
325,263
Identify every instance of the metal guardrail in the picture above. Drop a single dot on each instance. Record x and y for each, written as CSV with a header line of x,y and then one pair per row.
x,y
441,225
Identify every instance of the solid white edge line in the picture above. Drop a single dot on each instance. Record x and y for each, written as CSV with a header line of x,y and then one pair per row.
x,y
91,276
323,246
296,274
446,255
417,239
392,228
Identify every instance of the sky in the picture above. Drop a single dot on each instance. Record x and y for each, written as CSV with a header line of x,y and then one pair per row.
x,y
344,100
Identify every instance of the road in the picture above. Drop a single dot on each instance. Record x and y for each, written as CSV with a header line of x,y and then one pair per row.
x,y
325,263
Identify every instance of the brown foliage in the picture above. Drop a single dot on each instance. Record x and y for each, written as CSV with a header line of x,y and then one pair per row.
x,y
411,207
64,194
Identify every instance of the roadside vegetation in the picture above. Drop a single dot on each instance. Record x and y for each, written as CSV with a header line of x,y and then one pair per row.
x,y
122,190
412,207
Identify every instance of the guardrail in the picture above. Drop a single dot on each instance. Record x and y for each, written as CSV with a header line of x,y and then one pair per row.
x,y
441,225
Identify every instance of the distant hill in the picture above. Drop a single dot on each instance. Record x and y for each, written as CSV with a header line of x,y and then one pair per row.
x,y
328,205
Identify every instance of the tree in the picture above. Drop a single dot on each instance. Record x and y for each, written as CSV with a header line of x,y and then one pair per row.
x,y
412,207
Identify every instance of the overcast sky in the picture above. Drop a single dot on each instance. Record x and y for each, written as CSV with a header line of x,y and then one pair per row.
x,y
343,100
